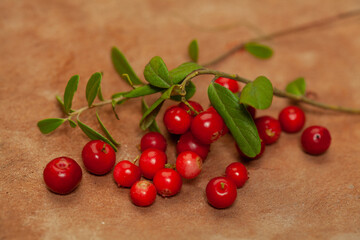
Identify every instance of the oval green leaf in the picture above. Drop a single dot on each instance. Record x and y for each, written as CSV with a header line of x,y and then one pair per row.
x,y
106,132
259,50
72,123
50,124
297,87
153,127
194,50
178,74
190,89
142,91
237,119
157,74
92,88
258,93
70,90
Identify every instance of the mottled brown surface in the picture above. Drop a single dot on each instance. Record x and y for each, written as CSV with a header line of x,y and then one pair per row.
x,y
290,195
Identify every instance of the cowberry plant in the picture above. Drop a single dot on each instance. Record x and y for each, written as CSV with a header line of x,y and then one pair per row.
x,y
177,84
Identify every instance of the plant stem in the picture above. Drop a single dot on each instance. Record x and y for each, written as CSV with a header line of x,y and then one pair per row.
x,y
281,33
105,102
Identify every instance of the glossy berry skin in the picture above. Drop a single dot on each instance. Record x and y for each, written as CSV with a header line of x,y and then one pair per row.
x,y
242,155
62,175
188,164
188,142
269,129
143,193
126,173
315,140
207,127
230,84
194,104
153,140
167,182
152,160
292,119
225,129
177,120
221,192
98,157
238,173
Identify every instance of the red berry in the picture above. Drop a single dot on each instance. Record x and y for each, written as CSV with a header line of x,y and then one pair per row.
x,y
225,129
251,158
194,104
143,193
153,140
269,129
292,119
221,192
238,173
177,120
62,175
98,157
251,110
315,140
188,142
167,182
230,84
188,164
126,173
151,161
207,127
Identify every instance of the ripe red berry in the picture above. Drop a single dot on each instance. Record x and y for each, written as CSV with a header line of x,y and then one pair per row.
x,y
230,84
269,129
207,127
98,157
177,120
126,173
151,161
194,104
221,192
62,175
167,182
238,173
315,140
251,110
292,119
188,142
188,164
251,158
153,140
225,129
143,193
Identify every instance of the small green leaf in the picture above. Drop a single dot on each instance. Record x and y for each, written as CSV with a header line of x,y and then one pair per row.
x,y
113,105
138,92
157,74
70,90
259,50
50,124
190,89
94,135
127,79
178,74
297,87
123,67
106,132
258,93
153,127
72,123
92,88
236,118
194,50
100,96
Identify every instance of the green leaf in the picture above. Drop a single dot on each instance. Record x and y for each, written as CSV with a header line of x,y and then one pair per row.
x,y
127,79
194,50
72,123
236,118
190,89
60,101
153,127
113,105
259,50
92,88
106,132
123,67
157,74
70,90
178,74
94,135
142,91
297,87
50,124
100,96
258,93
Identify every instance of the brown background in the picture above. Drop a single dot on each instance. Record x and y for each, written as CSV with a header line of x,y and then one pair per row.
x,y
290,195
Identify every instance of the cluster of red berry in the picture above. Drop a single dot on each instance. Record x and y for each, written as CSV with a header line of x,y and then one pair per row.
x,y
198,129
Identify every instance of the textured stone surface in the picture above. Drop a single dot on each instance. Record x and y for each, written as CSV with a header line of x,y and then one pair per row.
x,y
290,195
